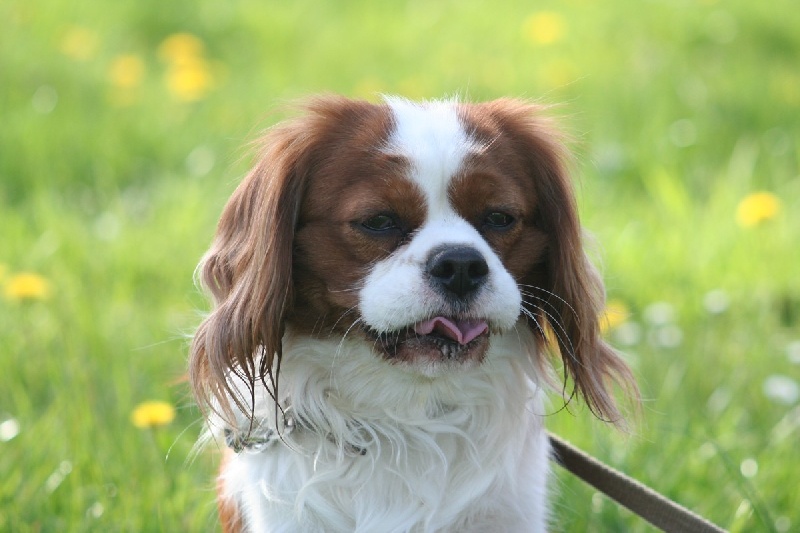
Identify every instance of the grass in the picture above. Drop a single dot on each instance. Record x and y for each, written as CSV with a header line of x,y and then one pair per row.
x,y
116,158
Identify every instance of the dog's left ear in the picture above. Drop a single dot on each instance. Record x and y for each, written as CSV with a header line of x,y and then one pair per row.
x,y
564,292
248,271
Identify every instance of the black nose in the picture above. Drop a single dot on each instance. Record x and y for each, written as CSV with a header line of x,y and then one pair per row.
x,y
460,270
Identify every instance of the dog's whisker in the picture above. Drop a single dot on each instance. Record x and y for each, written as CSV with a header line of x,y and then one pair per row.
x,y
340,346
535,320
558,329
318,324
342,315
554,319
543,300
551,293
341,291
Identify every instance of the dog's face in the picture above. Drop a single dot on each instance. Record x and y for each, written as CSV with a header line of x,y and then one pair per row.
x,y
417,238
425,229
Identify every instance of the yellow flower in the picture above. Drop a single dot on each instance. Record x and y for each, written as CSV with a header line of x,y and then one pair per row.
x,y
180,48
190,80
615,313
544,27
79,43
757,208
152,414
126,71
27,286
188,75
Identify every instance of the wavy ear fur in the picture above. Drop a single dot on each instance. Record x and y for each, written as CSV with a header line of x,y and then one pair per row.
x,y
248,271
565,289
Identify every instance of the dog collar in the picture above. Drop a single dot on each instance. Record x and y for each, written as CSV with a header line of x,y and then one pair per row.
x,y
258,438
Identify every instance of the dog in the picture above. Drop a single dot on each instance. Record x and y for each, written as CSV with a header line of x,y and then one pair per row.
x,y
388,283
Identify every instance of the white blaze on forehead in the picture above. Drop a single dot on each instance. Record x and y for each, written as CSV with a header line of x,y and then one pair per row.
x,y
396,292
431,137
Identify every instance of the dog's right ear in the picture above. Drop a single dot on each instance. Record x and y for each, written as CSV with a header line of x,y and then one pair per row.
x,y
248,271
565,292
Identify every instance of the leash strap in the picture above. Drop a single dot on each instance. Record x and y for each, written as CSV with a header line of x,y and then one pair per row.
x,y
642,500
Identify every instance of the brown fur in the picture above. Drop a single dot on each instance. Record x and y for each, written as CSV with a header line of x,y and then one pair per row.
x,y
229,516
562,286
248,269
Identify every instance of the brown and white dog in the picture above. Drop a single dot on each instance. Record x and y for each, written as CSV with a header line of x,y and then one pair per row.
x,y
387,281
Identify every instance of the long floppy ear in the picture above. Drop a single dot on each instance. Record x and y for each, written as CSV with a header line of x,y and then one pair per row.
x,y
576,299
565,289
248,271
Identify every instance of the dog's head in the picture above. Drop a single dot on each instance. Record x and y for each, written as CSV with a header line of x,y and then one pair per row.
x,y
423,228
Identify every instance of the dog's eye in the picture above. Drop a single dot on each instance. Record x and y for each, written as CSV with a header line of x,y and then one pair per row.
x,y
380,223
497,219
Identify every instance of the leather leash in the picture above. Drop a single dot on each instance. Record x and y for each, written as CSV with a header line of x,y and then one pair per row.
x,y
660,511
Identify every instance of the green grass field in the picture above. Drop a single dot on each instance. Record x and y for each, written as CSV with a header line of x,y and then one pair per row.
x,y
123,128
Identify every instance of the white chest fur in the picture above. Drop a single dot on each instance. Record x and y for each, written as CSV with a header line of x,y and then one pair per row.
x,y
377,448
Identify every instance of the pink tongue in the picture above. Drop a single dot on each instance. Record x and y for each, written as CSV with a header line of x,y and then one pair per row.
x,y
461,331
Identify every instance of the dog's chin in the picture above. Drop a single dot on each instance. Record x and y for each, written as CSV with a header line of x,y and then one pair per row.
x,y
429,354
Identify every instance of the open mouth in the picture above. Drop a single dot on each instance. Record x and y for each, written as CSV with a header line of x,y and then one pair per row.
x,y
436,339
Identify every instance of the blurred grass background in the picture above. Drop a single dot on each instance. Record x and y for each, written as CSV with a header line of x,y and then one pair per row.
x,y
122,126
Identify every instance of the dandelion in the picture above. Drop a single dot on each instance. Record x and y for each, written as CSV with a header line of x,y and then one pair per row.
x,y
614,315
181,47
27,286
126,71
757,208
152,414
188,75
79,43
189,81
544,27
